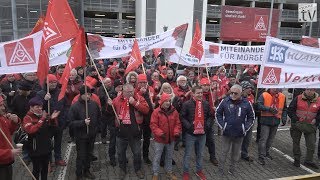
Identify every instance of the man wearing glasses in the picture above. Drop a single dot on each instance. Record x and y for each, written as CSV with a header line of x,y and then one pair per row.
x,y
235,117
130,108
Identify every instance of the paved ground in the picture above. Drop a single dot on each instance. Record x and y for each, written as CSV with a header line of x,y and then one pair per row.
x,y
280,166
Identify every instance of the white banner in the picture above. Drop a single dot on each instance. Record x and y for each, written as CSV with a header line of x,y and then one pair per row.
x,y
188,60
233,54
20,56
288,65
59,53
106,47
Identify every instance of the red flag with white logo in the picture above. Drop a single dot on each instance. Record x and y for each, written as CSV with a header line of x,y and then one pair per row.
x,y
196,48
135,59
76,58
59,25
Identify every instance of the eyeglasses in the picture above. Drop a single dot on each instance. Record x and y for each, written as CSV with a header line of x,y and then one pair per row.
x,y
234,93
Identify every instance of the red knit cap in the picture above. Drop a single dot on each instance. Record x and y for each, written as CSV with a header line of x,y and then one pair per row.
x,y
204,81
142,78
164,97
52,78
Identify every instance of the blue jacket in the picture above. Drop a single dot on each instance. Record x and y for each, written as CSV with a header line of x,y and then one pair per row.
x,y
235,118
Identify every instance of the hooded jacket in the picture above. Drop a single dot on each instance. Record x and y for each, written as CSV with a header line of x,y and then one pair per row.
x,y
165,122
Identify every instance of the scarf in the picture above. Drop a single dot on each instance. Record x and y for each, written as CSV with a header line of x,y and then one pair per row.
x,y
275,103
198,118
124,115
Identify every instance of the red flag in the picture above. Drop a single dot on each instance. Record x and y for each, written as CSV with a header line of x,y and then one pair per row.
x,y
196,48
156,52
310,41
135,59
76,58
39,25
59,25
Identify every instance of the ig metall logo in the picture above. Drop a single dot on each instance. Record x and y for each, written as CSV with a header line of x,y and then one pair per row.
x,y
307,12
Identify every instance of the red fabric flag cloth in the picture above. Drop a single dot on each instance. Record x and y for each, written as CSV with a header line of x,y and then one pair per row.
x,y
39,25
310,41
135,59
59,25
76,58
156,52
196,48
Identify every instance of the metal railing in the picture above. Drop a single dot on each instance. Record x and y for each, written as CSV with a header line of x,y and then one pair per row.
x,y
213,11
110,6
289,15
213,30
109,25
290,33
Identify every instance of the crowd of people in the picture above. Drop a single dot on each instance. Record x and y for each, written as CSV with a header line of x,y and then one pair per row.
x,y
176,110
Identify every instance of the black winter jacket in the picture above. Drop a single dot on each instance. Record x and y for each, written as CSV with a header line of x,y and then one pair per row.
x,y
77,115
187,115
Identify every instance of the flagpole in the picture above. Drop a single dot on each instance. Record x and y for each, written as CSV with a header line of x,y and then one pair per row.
x,y
103,85
24,164
86,91
210,85
48,91
270,19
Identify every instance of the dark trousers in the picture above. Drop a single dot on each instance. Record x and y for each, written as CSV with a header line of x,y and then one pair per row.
x,y
246,143
103,129
57,143
6,172
112,144
210,143
258,127
40,166
84,148
146,139
135,146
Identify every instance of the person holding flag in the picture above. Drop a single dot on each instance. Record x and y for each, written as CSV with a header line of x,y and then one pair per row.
x,y
8,124
85,121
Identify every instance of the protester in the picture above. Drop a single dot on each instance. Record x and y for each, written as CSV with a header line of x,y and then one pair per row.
x,y
8,124
108,118
247,89
40,127
166,127
85,128
273,107
304,112
55,105
196,119
147,93
130,109
208,96
235,117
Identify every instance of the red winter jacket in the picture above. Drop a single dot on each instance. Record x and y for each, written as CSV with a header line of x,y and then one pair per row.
x,y
8,127
140,107
167,123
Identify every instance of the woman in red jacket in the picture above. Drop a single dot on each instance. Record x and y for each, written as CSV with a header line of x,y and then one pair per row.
x,y
166,127
39,128
8,124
